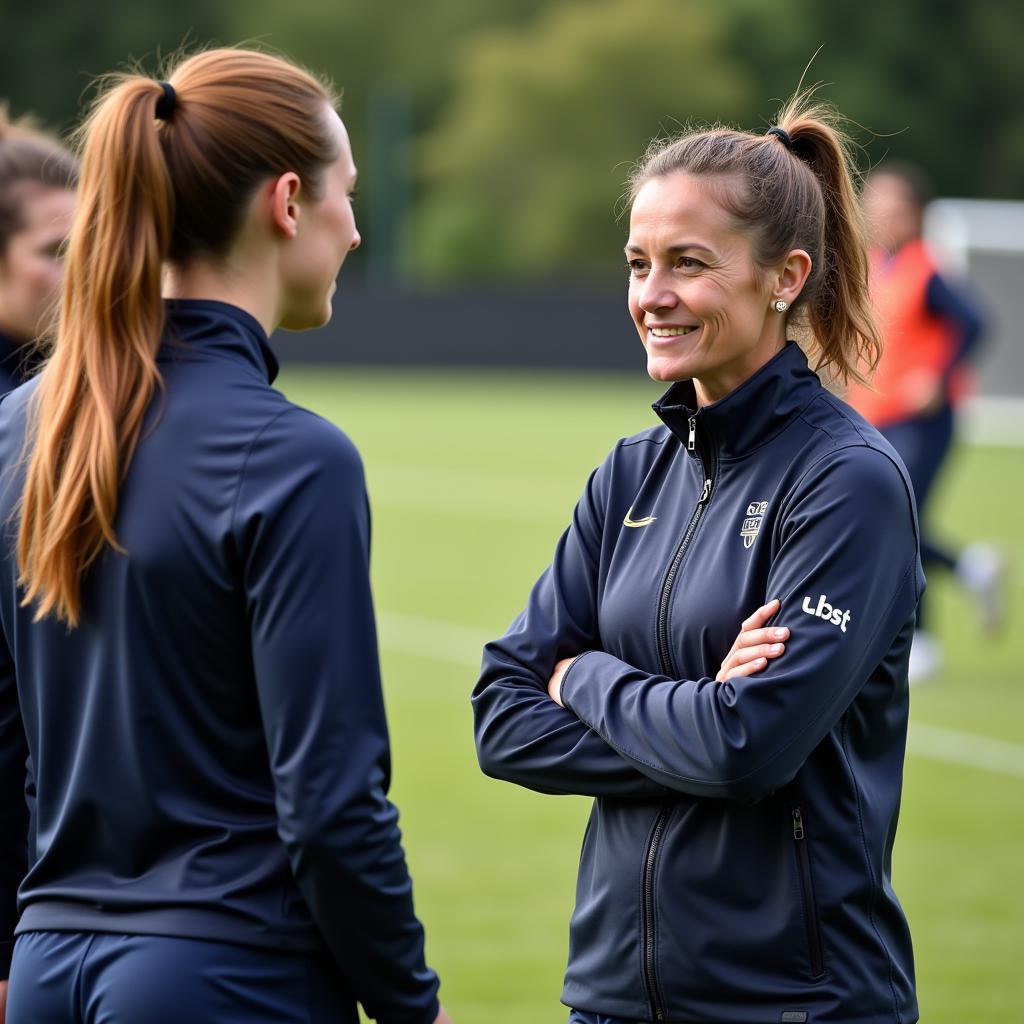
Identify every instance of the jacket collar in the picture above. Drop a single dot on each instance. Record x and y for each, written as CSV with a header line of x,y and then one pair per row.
x,y
20,359
751,415
207,325
10,351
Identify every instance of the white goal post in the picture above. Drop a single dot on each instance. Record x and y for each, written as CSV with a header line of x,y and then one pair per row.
x,y
982,240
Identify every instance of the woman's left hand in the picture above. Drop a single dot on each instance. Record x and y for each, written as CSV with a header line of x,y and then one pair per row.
x,y
555,682
755,646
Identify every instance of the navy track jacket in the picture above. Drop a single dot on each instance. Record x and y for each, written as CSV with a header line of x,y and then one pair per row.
x,y
736,865
207,752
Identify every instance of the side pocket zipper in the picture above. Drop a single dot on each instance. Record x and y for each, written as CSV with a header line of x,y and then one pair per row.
x,y
807,888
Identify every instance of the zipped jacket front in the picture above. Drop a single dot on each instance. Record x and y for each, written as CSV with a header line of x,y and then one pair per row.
x,y
736,865
208,753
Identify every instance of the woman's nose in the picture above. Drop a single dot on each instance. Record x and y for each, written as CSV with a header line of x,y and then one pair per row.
x,y
657,293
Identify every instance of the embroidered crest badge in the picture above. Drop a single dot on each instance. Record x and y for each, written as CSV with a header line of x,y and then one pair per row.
x,y
752,522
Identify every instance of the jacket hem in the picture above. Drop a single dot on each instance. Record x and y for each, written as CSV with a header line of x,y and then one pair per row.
x,y
174,922
577,998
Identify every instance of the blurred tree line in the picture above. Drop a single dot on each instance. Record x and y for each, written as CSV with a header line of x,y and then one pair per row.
x,y
494,136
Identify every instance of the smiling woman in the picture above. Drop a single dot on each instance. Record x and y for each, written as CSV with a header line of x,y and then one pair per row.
x,y
733,220
707,289
718,651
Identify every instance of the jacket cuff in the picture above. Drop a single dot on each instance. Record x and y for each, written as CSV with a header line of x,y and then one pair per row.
x,y
425,1018
6,952
574,679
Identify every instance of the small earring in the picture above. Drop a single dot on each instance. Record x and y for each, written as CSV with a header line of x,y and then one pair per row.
x,y
781,305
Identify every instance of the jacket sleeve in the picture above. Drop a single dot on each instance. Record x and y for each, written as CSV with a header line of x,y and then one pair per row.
x,y
957,308
847,572
302,528
522,735
13,808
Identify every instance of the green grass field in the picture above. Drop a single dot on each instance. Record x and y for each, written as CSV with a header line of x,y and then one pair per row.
x,y
472,477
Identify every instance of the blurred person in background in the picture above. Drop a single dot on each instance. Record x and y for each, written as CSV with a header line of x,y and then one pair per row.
x,y
37,198
736,865
188,654
931,328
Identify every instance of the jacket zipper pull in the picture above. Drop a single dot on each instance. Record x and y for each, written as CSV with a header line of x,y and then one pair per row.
x,y
798,824
692,442
706,493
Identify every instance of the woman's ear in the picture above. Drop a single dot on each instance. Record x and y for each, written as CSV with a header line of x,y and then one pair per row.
x,y
284,203
792,276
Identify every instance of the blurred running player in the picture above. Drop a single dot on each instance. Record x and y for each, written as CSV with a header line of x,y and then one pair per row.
x,y
931,328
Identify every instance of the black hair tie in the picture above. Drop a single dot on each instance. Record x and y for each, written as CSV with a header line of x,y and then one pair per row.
x,y
166,104
781,133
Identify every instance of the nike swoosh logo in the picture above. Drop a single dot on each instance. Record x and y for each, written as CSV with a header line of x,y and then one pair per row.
x,y
630,521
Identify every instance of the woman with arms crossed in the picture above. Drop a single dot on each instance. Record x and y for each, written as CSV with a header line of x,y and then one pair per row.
x,y
188,653
736,864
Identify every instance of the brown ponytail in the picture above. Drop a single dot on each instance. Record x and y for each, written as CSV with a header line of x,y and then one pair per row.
x,y
839,310
795,193
150,192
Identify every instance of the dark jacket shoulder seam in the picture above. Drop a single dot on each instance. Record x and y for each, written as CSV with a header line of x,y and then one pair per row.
x,y
628,442
250,448
860,442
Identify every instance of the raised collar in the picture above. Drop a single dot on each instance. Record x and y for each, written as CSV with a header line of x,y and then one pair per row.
x,y
9,349
749,416
21,360
210,324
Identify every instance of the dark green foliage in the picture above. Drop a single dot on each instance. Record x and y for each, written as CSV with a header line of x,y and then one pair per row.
x,y
524,114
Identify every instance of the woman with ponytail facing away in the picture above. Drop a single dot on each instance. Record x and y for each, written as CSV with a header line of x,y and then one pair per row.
x,y
736,866
188,661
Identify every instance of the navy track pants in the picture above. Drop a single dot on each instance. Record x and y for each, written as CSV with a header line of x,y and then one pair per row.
x,y
96,978
923,442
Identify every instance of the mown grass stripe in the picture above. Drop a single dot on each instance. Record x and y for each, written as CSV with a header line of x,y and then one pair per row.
x,y
954,746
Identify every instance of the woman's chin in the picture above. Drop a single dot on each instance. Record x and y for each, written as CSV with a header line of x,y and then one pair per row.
x,y
308,319
666,369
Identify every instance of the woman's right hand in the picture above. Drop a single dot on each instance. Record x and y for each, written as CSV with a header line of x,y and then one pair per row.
x,y
442,1017
755,646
